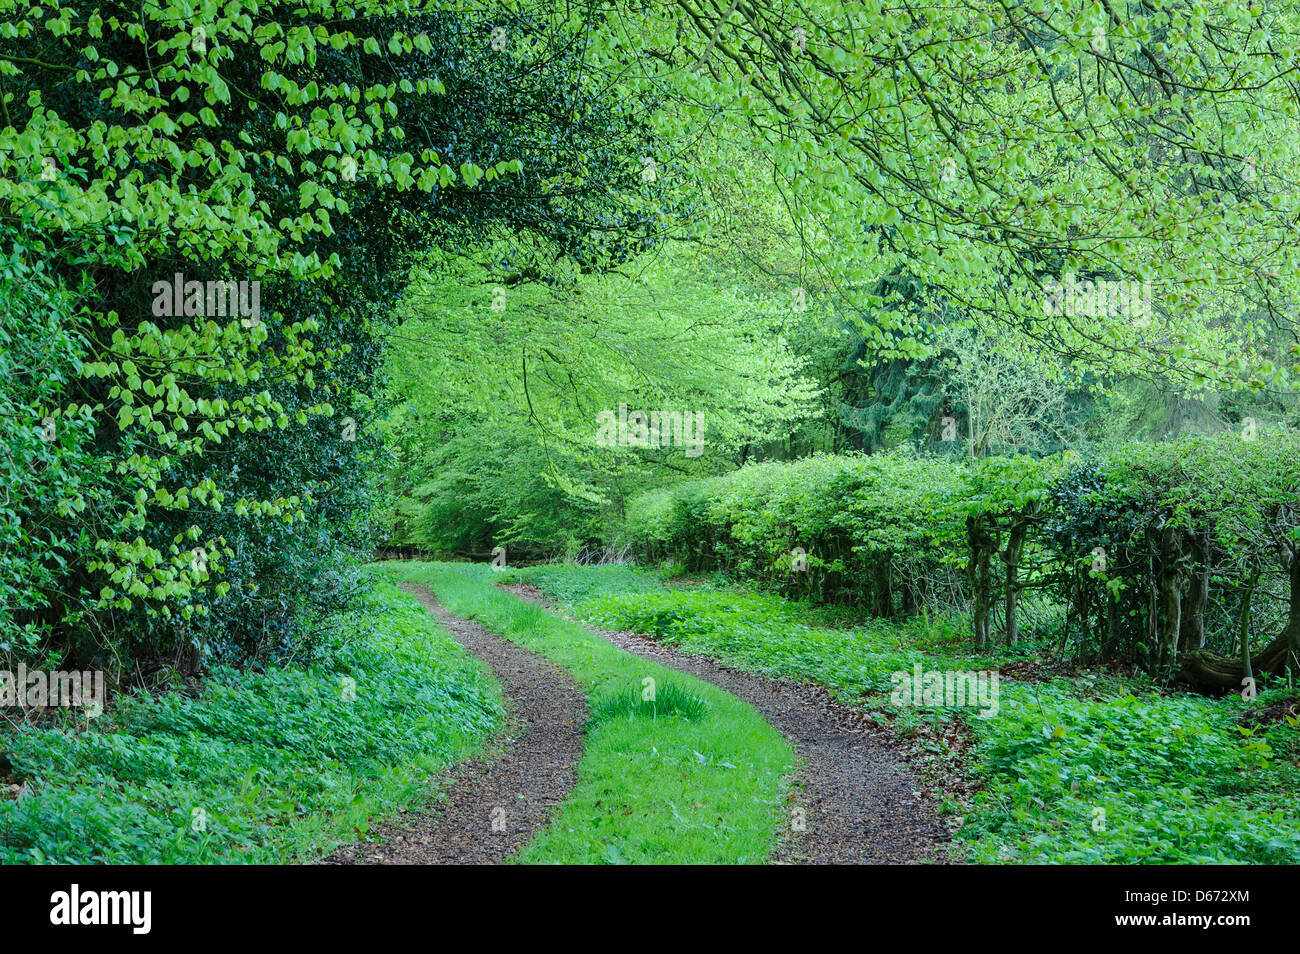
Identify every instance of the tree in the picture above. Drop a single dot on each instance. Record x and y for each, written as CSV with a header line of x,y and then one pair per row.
x,y
1010,403
502,391
312,155
992,149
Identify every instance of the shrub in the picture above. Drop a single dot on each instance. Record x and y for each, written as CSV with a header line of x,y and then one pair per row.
x,y
1201,523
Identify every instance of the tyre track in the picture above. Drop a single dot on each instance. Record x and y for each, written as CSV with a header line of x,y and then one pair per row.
x,y
493,804
854,798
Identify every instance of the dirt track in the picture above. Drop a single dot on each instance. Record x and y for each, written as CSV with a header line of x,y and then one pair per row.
x,y
861,803
494,804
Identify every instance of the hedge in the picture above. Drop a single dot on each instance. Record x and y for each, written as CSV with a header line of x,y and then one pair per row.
x,y
1157,552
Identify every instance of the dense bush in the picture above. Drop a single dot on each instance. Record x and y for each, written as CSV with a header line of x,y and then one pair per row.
x,y
1157,549
887,532
48,470
209,472
1166,547
875,530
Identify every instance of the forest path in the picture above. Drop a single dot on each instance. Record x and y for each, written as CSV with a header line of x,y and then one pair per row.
x,y
856,797
497,802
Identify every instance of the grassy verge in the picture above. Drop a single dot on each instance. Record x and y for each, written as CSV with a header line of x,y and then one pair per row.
x,y
694,776
1095,768
257,767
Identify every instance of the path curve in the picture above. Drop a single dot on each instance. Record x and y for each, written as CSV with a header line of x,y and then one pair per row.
x,y
861,802
518,783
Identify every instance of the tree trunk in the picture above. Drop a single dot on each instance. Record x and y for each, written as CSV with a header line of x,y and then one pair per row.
x,y
1108,649
1192,630
983,603
1213,671
887,589
1248,673
981,552
1015,544
1153,614
1171,601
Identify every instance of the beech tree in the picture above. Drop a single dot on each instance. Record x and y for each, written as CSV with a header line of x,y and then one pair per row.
x,y
993,148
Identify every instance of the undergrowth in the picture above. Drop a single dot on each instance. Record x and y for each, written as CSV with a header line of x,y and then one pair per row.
x,y
256,767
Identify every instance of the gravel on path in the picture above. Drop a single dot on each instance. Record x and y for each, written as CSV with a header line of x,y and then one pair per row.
x,y
493,804
854,799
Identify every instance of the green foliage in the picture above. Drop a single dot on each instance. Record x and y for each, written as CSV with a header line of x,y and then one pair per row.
x,y
1159,515
254,767
47,468
489,487
497,429
1100,773
872,530
319,154
900,534
919,141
